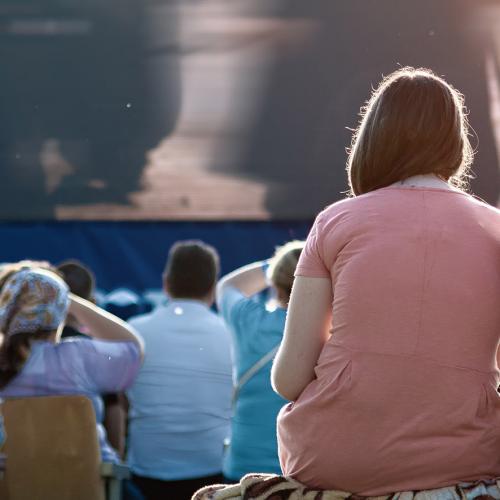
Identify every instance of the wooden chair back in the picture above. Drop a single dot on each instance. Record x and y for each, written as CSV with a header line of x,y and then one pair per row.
x,y
52,449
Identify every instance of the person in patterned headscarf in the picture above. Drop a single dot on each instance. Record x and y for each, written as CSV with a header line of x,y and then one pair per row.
x,y
34,302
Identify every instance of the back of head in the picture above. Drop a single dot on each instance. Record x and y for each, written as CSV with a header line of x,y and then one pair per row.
x,y
78,277
191,270
414,124
11,268
282,266
33,304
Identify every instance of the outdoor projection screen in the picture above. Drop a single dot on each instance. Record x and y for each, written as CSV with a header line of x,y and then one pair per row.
x,y
217,109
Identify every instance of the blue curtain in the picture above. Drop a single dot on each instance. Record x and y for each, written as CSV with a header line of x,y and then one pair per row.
x,y
133,254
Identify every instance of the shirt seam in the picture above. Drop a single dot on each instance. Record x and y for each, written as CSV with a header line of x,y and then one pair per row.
x,y
426,188
417,356
424,274
312,271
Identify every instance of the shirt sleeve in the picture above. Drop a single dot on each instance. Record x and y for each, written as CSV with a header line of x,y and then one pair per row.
x,y
104,366
311,262
232,300
234,306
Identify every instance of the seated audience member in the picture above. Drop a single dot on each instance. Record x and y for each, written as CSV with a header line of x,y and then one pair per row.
x,y
390,346
81,282
180,404
34,303
257,332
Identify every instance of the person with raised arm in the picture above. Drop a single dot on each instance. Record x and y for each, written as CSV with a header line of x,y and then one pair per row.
x,y
257,326
34,302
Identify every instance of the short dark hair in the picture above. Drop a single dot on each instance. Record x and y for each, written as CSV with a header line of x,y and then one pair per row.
x,y
191,270
79,278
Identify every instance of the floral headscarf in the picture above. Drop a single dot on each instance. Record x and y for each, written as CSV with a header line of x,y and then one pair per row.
x,y
32,300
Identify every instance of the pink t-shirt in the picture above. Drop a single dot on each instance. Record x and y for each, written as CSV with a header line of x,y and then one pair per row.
x,y
405,390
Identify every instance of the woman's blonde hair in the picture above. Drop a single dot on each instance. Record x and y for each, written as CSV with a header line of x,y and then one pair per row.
x,y
282,266
414,123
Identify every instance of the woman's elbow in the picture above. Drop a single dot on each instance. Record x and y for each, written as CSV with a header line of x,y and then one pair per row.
x,y
138,341
142,351
285,392
283,386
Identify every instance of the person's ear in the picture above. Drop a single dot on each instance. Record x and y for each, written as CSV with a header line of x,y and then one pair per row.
x,y
166,288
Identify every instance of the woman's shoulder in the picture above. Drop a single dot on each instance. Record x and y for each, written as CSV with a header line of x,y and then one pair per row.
x,y
345,214
396,199
97,365
75,345
382,196
486,208
90,348
351,205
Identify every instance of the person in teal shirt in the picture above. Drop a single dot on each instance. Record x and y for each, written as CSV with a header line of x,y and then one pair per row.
x,y
257,326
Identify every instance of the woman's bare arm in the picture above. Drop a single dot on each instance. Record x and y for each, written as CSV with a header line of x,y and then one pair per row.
x,y
102,324
306,331
249,280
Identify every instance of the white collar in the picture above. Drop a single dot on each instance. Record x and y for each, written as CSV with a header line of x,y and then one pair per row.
x,y
427,180
186,303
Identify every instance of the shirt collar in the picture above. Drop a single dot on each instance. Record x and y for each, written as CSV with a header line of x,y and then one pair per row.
x,y
186,303
426,180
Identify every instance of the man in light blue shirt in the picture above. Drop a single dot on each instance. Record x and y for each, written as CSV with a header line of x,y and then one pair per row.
x,y
180,403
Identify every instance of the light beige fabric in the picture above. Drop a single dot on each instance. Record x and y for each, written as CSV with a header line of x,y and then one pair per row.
x,y
52,450
272,487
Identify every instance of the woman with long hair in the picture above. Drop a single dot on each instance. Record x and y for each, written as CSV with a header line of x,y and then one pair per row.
x,y
389,351
257,329
34,302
